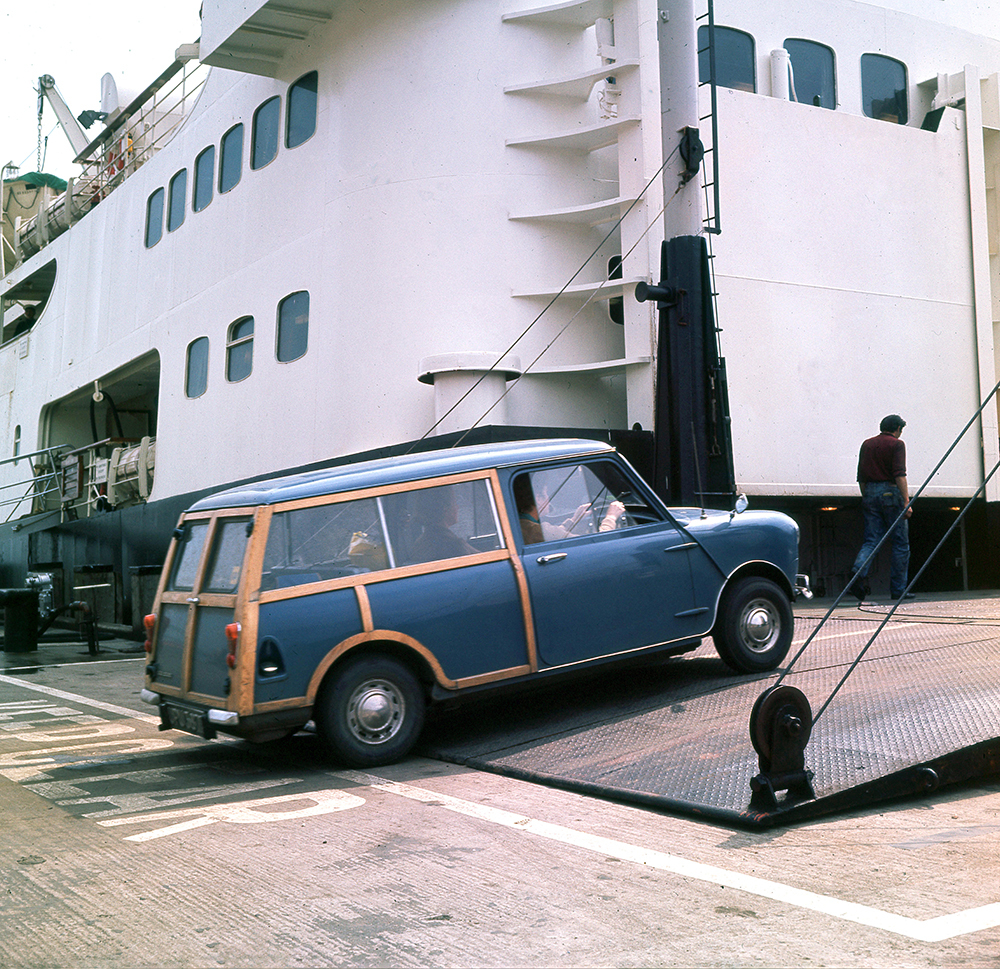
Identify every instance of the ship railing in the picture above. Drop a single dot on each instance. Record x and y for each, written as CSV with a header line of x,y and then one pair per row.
x,y
78,482
128,141
37,488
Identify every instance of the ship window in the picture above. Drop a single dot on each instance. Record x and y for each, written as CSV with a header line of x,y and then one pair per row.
x,y
239,350
154,218
264,141
301,121
293,327
231,159
734,59
883,88
17,442
196,381
204,178
177,208
812,73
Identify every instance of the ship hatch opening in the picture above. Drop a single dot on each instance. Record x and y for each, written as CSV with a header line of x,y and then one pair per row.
x,y
22,305
105,433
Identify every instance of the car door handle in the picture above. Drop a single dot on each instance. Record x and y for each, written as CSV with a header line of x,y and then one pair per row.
x,y
554,557
681,548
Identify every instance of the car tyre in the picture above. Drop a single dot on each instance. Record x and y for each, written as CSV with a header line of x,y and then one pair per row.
x,y
753,630
371,712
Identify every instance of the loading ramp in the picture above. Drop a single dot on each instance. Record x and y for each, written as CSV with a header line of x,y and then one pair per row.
x,y
921,711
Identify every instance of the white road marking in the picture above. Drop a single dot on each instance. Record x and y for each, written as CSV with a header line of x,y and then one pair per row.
x,y
242,812
929,930
76,698
857,633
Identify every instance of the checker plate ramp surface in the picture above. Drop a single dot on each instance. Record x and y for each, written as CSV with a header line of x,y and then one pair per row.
x,y
921,710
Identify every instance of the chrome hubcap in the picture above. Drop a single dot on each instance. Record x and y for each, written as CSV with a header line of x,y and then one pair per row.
x,y
759,625
375,711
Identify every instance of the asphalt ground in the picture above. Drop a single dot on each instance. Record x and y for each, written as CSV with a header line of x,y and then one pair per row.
x,y
125,846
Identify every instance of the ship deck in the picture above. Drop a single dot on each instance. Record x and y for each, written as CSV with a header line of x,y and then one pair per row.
x,y
921,710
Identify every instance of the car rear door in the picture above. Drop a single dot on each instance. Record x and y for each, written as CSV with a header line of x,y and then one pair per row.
x,y
198,601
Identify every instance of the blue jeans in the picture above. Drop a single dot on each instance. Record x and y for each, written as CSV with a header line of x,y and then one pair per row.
x,y
881,504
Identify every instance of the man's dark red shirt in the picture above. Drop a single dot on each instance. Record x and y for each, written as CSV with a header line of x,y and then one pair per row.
x,y
882,458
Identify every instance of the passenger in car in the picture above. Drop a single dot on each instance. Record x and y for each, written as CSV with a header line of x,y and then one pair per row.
x,y
437,512
527,510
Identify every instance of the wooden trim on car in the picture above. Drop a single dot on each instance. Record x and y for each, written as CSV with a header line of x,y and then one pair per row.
x,y
383,575
519,574
376,636
246,613
383,636
364,608
411,484
495,677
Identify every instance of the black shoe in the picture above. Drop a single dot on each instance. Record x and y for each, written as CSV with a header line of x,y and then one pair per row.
x,y
904,595
859,588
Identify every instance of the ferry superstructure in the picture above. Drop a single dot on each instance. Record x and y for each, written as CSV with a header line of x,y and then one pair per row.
x,y
330,228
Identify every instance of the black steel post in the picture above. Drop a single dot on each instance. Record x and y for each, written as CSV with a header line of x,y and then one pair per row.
x,y
693,441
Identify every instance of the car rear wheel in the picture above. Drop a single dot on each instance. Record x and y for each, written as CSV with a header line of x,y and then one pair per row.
x,y
753,630
371,712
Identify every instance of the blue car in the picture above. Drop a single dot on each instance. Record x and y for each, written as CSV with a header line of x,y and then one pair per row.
x,y
355,597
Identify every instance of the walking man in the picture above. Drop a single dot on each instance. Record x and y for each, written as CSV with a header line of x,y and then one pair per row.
x,y
884,494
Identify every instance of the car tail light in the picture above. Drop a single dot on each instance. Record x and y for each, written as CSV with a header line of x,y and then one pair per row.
x,y
232,637
150,623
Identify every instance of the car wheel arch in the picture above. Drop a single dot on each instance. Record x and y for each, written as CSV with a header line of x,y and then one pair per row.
x,y
755,570
399,646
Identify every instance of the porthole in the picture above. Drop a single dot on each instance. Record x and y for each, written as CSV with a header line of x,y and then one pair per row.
x,y
196,372
813,73
264,136
177,206
300,123
154,218
204,179
239,350
231,159
293,327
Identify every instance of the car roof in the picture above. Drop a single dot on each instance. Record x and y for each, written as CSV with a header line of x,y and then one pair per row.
x,y
402,468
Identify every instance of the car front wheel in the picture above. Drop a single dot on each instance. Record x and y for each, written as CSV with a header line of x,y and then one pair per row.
x,y
371,712
753,630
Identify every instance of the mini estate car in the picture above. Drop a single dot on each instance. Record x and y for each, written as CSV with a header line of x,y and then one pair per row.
x,y
354,597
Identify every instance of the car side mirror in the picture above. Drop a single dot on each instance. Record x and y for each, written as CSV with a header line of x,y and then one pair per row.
x,y
740,506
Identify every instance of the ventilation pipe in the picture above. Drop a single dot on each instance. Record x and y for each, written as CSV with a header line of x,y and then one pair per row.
x,y
780,69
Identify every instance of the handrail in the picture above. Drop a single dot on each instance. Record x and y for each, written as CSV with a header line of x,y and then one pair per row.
x,y
34,454
42,482
129,141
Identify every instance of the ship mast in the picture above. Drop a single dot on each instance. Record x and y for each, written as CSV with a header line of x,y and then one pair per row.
x,y
693,454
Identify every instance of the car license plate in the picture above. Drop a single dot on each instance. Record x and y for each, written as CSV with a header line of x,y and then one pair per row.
x,y
190,721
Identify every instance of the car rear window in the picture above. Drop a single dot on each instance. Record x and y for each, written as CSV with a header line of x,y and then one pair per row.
x,y
187,556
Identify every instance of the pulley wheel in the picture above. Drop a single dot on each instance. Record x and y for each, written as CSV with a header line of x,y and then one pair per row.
x,y
769,704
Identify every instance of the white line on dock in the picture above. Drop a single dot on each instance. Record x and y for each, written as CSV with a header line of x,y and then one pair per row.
x,y
930,930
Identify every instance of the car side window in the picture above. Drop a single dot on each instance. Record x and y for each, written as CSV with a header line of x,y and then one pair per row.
x,y
323,542
580,499
443,522
342,538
